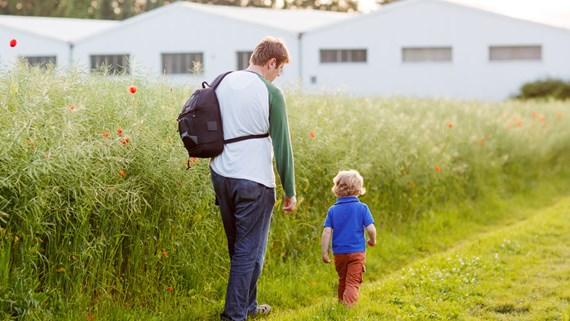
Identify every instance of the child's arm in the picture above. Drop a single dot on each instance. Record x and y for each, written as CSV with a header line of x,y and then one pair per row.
x,y
371,229
325,241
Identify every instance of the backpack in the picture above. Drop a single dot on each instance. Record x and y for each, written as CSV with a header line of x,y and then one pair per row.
x,y
200,123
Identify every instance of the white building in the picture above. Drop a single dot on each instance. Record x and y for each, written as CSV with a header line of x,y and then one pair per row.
x,y
421,48
42,40
168,40
433,48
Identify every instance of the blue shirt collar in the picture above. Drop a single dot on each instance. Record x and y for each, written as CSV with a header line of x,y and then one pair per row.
x,y
347,199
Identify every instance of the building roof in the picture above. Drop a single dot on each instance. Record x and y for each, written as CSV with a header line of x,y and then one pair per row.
x,y
555,13
294,20
62,29
551,17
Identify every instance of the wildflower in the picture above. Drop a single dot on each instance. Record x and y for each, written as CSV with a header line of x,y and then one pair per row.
x,y
541,119
90,317
450,125
534,114
438,169
124,140
189,161
106,134
519,123
178,184
122,172
163,254
312,134
31,143
120,132
71,107
133,89
169,288
13,43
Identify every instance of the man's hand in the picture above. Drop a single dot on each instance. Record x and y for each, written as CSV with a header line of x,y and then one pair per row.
x,y
290,204
371,242
326,259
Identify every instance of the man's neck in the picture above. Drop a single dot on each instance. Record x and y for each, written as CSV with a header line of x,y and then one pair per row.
x,y
257,69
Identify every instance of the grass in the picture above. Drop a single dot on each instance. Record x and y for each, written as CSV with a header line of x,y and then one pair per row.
x,y
518,271
100,220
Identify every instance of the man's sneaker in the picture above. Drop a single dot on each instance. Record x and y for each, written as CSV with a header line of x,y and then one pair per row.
x,y
263,309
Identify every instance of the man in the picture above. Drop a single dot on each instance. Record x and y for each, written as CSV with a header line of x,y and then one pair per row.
x,y
243,177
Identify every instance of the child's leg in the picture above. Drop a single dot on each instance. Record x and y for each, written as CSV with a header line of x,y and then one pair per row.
x,y
341,264
354,271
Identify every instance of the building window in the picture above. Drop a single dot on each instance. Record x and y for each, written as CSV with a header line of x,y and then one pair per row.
x,y
343,55
427,54
110,64
183,63
243,59
40,61
506,53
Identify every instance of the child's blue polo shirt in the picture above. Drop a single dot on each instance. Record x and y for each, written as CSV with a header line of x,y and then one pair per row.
x,y
348,217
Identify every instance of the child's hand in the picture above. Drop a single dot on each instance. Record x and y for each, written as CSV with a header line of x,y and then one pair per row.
x,y
326,259
371,243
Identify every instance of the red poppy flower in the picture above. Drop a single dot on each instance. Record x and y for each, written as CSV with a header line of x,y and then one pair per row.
x,y
133,89
312,134
169,288
122,172
120,132
437,169
163,253
13,43
541,119
534,114
106,134
178,184
450,125
124,140
71,107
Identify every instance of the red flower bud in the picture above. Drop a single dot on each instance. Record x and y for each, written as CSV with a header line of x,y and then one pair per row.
x,y
133,89
13,43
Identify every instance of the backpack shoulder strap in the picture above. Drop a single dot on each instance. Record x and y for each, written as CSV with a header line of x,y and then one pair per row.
x,y
216,81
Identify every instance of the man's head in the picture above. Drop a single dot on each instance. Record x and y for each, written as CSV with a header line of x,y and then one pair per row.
x,y
271,54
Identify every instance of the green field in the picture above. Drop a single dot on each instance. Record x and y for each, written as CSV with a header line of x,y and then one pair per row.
x,y
100,220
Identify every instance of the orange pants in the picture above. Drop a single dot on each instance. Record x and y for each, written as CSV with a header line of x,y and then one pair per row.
x,y
350,268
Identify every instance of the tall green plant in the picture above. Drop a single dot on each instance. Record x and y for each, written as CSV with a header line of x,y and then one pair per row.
x,y
96,205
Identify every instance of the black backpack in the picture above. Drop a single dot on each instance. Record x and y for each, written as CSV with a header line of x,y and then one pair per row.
x,y
200,123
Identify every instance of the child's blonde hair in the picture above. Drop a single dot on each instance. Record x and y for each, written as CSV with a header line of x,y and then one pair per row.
x,y
348,183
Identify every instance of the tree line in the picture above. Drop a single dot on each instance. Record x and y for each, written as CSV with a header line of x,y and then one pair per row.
x,y
122,9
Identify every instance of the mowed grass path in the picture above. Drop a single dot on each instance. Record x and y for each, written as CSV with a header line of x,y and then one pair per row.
x,y
515,272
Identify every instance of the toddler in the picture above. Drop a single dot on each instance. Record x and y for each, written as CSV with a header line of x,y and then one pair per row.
x,y
346,221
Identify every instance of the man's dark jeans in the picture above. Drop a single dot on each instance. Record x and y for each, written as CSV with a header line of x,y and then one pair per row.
x,y
246,213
